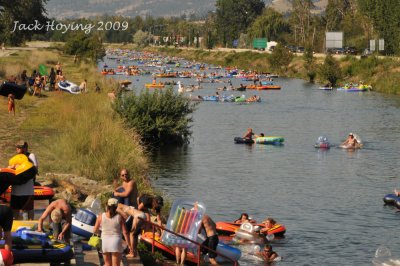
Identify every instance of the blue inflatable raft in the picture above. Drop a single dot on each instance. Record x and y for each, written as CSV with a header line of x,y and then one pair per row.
x,y
34,247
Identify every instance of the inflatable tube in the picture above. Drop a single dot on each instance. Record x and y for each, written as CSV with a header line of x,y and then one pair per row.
x,y
24,171
326,88
322,143
211,98
184,219
39,193
352,89
27,224
240,99
267,83
228,251
22,162
70,87
18,90
392,200
154,86
227,99
243,236
191,258
83,223
278,230
239,140
247,233
33,247
273,140
228,229
349,147
268,87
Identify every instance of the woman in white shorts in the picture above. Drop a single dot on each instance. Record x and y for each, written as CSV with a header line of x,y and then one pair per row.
x,y
112,224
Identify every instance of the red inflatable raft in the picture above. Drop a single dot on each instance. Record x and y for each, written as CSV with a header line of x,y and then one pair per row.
x,y
228,228
39,193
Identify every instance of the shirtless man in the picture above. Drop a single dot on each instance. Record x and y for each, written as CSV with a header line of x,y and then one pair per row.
x,y
58,210
58,68
249,134
127,193
212,238
145,202
268,255
351,141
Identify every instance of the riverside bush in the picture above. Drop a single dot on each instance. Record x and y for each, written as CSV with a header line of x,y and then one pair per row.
x,y
161,117
85,138
330,70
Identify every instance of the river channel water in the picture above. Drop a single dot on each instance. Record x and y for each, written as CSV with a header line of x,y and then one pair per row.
x,y
329,200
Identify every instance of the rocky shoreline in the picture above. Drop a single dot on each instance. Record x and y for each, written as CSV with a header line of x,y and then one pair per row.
x,y
77,190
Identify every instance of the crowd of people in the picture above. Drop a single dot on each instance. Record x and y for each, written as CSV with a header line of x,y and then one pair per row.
x,y
125,204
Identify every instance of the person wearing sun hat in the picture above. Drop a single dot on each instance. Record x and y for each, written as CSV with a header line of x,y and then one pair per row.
x,y
61,216
112,225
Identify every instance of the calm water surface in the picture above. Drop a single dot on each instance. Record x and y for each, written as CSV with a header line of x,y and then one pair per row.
x,y
329,200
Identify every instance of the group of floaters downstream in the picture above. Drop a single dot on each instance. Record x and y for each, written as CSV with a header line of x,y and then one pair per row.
x,y
350,87
352,142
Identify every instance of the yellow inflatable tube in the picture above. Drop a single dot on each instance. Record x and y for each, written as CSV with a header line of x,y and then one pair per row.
x,y
33,224
21,163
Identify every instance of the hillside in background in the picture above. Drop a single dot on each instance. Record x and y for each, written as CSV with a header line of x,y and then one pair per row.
x,y
61,9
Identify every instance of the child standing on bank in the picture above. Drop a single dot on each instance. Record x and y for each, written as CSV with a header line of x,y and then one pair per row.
x,y
11,103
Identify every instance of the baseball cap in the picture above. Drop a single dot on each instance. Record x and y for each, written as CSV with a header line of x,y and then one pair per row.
x,y
351,134
56,216
21,144
112,201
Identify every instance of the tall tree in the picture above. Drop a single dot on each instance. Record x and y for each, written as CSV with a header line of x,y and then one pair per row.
x,y
302,19
23,11
234,16
84,45
385,17
270,25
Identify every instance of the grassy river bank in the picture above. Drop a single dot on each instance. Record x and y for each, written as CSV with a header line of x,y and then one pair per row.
x,y
75,134
383,73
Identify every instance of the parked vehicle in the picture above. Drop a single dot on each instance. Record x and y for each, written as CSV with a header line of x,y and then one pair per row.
x,y
292,48
350,50
300,49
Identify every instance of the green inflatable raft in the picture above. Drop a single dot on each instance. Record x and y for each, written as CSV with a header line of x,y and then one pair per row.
x,y
271,140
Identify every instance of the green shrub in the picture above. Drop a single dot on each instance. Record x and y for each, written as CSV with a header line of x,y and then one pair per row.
x,y
84,45
330,70
160,117
280,58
